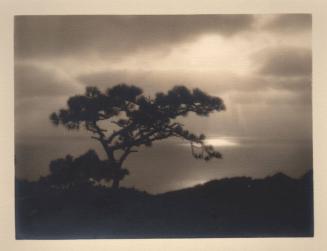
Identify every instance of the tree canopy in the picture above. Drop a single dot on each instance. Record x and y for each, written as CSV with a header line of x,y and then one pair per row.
x,y
68,172
122,119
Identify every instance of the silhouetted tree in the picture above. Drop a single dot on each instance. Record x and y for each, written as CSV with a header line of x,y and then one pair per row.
x,y
67,172
137,120
85,169
61,172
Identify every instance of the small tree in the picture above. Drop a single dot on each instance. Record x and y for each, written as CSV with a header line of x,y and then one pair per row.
x,y
122,119
68,172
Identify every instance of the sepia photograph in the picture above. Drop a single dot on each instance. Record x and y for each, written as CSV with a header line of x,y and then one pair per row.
x,y
163,126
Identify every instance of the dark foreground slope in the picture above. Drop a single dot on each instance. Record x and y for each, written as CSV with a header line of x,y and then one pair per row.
x,y
236,207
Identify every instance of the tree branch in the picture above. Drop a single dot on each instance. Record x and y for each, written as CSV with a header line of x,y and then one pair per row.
x,y
125,154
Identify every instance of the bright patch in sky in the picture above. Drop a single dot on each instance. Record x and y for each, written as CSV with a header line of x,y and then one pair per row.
x,y
221,142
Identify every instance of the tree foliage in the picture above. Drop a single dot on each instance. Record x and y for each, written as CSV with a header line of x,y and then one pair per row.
x,y
68,172
122,119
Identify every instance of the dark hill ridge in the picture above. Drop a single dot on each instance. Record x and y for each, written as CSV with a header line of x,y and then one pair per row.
x,y
276,206
244,185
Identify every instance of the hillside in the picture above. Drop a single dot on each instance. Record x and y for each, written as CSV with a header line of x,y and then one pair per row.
x,y
234,207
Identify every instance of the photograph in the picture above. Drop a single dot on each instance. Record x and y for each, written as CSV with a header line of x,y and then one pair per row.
x,y
163,126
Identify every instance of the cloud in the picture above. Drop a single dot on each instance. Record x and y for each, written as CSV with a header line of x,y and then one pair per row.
x,y
284,61
55,36
273,97
292,84
216,83
152,81
289,23
38,81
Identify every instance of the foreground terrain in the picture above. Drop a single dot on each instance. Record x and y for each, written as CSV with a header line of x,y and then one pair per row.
x,y
237,207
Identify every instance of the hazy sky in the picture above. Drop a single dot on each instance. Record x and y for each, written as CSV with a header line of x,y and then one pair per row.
x,y
260,65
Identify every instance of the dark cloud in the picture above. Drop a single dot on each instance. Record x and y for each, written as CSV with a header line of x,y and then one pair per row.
x,y
288,23
48,36
34,81
285,61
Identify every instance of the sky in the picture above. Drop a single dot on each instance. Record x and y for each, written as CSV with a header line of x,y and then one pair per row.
x,y
260,65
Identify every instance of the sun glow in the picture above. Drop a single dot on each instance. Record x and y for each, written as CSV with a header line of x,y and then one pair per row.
x,y
221,142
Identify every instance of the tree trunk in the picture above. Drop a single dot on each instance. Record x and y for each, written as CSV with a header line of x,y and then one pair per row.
x,y
115,183
111,159
117,175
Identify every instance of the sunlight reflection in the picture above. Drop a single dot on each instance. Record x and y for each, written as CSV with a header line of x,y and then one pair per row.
x,y
221,142
189,183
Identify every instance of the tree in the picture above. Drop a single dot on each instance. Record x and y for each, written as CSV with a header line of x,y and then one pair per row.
x,y
68,172
123,119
